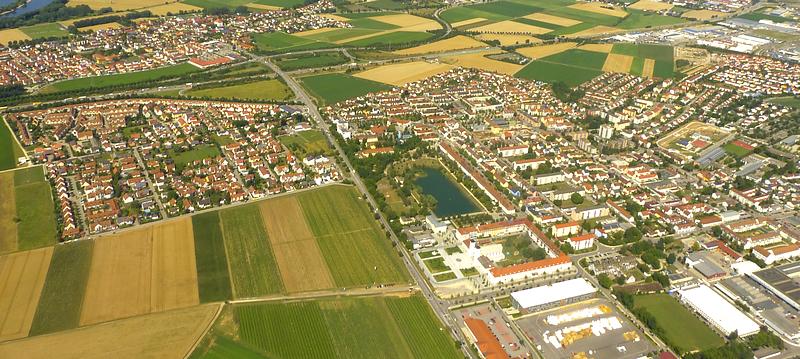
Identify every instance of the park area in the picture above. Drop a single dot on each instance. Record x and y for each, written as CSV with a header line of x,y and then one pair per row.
x,y
336,87
388,326
680,327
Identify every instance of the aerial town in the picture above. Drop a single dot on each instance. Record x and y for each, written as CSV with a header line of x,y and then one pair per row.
x,y
399,179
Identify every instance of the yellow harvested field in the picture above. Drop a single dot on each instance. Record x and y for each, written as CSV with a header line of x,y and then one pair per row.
x,y
468,22
604,48
335,17
284,220
453,43
8,211
480,61
9,35
509,39
649,65
174,8
314,32
141,271
22,276
600,8
118,5
702,14
650,5
257,6
552,19
537,52
164,335
510,27
409,22
110,25
618,63
401,74
597,30
67,23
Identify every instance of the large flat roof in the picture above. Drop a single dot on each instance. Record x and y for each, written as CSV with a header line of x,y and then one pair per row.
x,y
547,294
719,311
780,281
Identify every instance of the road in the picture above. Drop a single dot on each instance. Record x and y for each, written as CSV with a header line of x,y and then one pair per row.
x,y
439,307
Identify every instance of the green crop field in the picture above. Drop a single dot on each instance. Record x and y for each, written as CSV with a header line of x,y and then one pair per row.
x,y
336,87
682,328
375,327
44,31
367,23
35,210
196,153
642,19
266,90
282,42
553,72
225,348
340,34
655,52
306,61
213,279
578,58
9,148
279,3
355,249
393,38
97,82
211,4
306,142
250,257
61,300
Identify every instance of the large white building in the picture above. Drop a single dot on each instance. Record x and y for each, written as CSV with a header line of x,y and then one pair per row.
x,y
556,294
718,311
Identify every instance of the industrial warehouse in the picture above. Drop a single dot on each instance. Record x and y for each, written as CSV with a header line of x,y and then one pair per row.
x,y
718,311
556,294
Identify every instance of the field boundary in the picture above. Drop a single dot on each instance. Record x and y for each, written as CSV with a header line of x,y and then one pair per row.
x,y
211,323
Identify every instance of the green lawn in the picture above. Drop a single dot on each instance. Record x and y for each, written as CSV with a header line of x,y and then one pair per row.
x,y
356,251
266,90
9,149
306,142
363,327
789,101
445,276
46,30
250,257
682,328
35,210
61,300
736,151
213,279
196,153
336,87
554,72
469,271
121,79
436,265
307,61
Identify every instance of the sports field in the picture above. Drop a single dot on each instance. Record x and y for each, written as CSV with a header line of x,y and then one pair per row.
x,y
163,335
682,329
403,73
376,327
97,82
688,132
267,90
44,31
22,277
336,87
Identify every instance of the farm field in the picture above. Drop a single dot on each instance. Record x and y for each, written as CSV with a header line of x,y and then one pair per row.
x,y
274,42
403,73
9,148
141,271
454,43
107,26
650,5
9,35
44,31
336,87
377,327
554,72
681,328
267,90
306,61
22,276
508,39
61,301
173,8
380,28
118,5
97,82
703,14
163,335
256,4
304,143
213,278
36,220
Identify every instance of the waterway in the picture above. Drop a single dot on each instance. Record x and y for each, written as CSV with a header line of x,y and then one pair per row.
x,y
451,200
32,6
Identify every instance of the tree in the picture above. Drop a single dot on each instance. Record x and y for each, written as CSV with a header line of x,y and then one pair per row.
x,y
632,234
605,281
576,198
671,258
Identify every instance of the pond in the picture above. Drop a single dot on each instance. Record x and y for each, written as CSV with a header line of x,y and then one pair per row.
x,y
32,6
451,199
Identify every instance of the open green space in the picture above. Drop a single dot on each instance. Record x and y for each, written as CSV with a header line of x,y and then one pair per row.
x,y
638,19
579,58
9,148
736,151
252,263
393,38
223,347
367,23
121,79
45,31
195,154
336,87
36,220
279,3
789,101
362,327
307,61
282,42
341,34
266,90
305,143
355,249
61,300
682,329
230,4
445,276
758,16
554,72
436,265
213,279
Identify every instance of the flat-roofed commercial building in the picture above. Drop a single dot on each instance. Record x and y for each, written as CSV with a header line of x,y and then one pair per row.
x,y
718,311
556,294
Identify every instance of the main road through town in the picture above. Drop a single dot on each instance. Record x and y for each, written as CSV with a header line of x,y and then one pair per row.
x,y
439,307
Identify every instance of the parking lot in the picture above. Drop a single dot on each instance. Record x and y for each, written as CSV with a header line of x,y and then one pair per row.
x,y
589,329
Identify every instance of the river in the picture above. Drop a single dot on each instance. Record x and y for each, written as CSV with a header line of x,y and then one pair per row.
x,y
29,7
